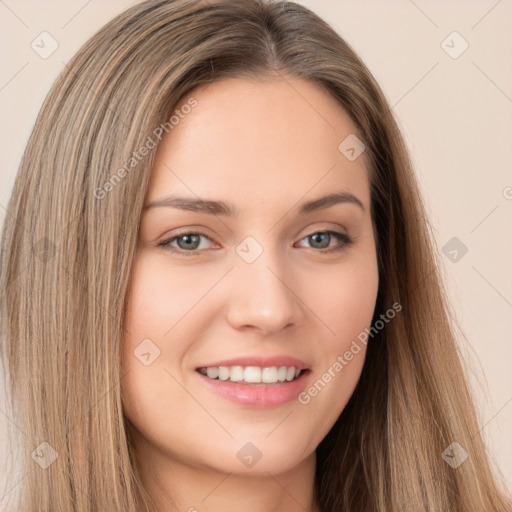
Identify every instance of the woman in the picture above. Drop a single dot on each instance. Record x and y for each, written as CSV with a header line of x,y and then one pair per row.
x,y
175,338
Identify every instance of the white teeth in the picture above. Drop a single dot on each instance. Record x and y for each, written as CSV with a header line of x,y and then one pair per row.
x,y
252,374
212,372
223,373
269,375
236,374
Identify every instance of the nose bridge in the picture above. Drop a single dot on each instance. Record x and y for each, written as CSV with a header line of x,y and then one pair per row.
x,y
262,295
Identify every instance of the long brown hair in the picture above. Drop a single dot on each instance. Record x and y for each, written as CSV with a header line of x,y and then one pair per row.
x,y
68,246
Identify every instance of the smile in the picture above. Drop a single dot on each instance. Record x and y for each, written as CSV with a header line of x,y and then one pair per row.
x,y
256,387
252,374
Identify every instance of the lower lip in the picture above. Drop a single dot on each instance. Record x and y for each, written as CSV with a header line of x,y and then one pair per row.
x,y
258,395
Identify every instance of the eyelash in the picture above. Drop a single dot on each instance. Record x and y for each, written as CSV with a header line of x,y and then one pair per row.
x,y
345,240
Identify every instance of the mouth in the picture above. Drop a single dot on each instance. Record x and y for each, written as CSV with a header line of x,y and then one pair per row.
x,y
256,382
253,374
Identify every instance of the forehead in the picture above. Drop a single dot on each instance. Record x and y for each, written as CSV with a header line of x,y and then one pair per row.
x,y
256,141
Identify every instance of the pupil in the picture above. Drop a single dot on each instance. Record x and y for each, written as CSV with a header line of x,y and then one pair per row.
x,y
327,238
190,241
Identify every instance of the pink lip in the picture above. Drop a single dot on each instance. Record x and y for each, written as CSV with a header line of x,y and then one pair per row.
x,y
257,395
263,362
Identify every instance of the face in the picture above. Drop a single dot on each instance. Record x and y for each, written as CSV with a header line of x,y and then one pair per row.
x,y
268,279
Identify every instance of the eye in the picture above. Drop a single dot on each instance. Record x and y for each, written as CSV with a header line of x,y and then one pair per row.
x,y
189,243
322,240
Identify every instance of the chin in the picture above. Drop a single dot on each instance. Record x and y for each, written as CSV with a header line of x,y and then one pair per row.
x,y
259,456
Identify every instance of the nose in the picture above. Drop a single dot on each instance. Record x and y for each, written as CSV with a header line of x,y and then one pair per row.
x,y
263,296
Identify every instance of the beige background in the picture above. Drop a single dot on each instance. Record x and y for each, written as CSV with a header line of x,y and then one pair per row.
x,y
455,114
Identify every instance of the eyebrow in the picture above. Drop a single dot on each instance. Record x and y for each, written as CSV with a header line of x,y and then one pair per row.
x,y
221,208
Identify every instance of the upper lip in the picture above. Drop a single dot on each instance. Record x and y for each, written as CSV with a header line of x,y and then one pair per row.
x,y
261,361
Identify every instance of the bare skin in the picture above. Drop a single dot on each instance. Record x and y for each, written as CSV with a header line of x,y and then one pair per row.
x,y
265,147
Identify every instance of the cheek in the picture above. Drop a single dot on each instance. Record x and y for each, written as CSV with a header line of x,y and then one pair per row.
x,y
160,295
162,306
346,307
153,307
160,328
344,299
